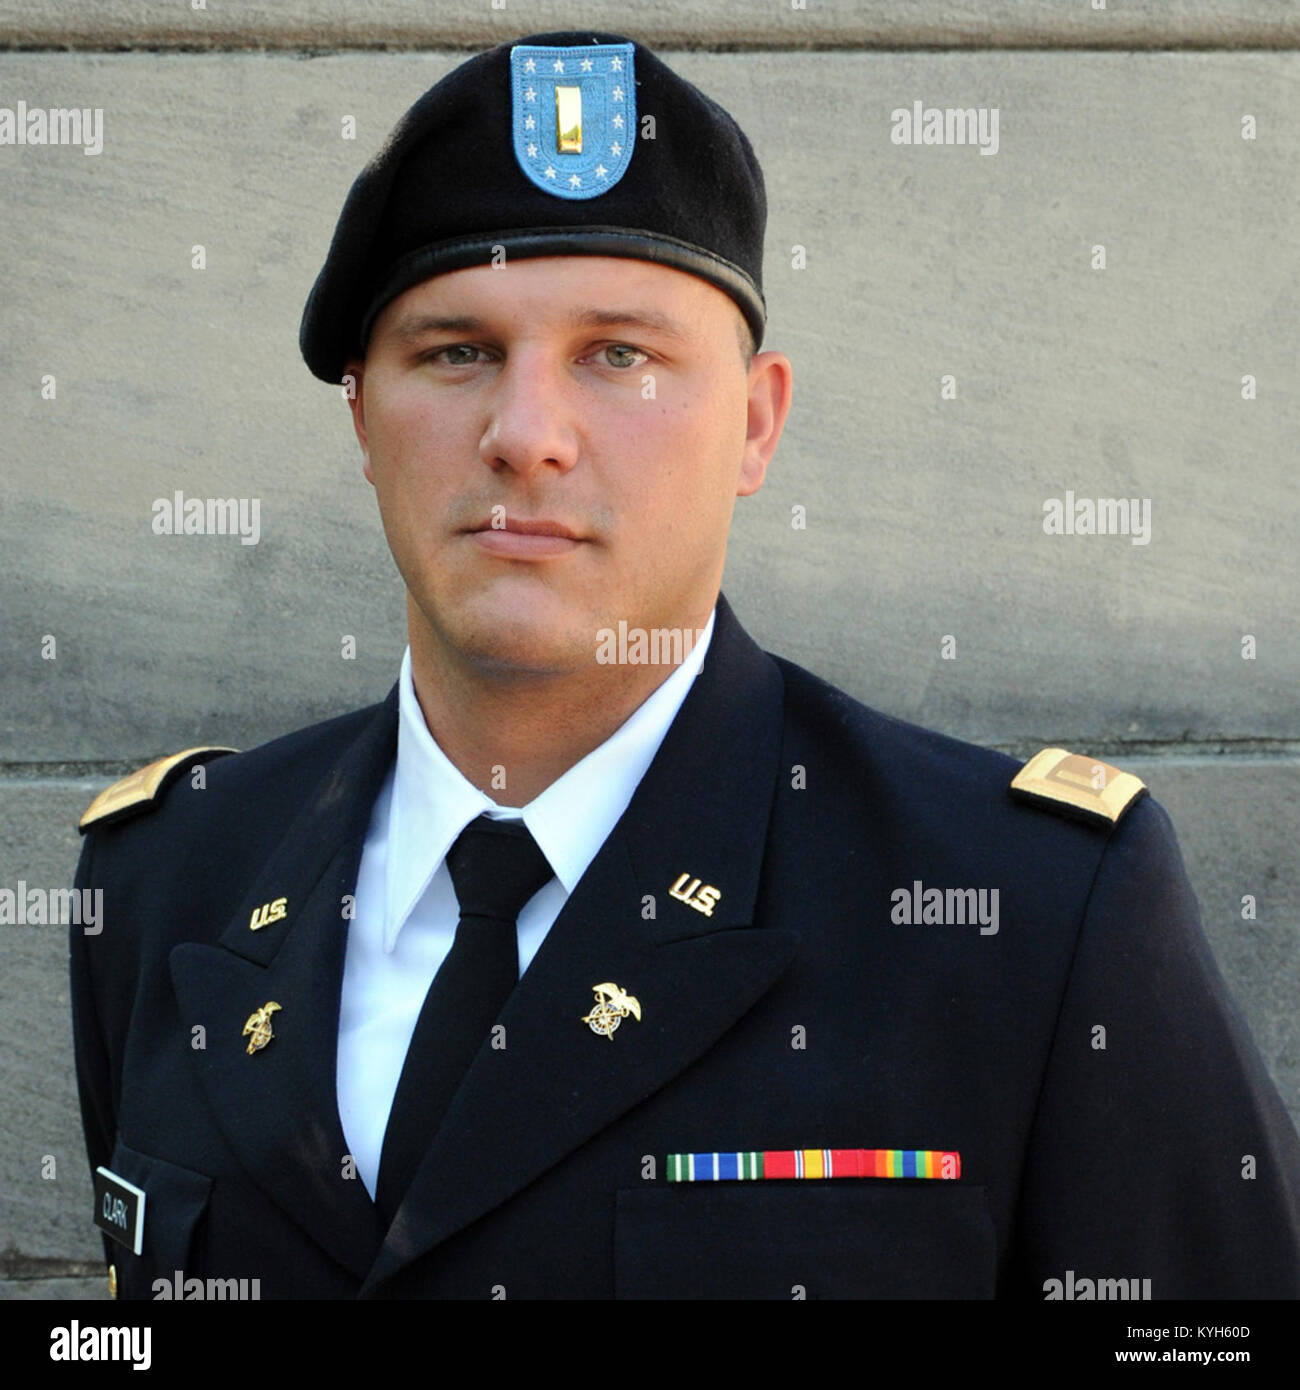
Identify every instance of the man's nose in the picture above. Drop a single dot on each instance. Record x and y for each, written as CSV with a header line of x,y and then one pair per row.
x,y
531,422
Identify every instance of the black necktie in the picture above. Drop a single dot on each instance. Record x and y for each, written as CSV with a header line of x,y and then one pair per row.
x,y
495,868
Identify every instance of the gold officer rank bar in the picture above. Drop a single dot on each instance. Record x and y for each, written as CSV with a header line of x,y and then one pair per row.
x,y
138,791
1078,786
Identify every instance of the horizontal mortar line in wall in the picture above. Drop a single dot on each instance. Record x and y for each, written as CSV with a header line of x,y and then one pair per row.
x,y
70,772
1166,750
17,1267
75,772
297,46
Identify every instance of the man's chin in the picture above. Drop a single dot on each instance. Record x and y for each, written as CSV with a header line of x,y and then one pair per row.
x,y
525,659
520,635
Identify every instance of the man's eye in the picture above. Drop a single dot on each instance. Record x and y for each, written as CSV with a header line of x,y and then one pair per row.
x,y
620,355
458,354
467,355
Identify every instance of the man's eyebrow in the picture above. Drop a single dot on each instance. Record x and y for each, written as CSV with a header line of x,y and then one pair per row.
x,y
414,326
653,319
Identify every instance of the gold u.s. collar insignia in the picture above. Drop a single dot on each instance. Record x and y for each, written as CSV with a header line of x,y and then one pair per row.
x,y
703,897
612,1006
266,914
259,1025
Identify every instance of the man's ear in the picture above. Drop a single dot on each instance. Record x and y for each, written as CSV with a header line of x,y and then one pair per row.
x,y
771,388
353,393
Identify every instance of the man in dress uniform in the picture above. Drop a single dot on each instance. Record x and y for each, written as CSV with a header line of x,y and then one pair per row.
x,y
610,956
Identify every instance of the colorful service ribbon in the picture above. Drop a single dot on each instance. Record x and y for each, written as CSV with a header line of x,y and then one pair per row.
x,y
814,1163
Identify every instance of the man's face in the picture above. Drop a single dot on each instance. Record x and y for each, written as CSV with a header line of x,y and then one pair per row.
x,y
557,446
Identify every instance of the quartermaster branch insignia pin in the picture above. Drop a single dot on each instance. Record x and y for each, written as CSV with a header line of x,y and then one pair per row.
x,y
573,114
612,1006
259,1025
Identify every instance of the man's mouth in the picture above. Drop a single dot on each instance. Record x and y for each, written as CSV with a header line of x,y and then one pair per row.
x,y
521,538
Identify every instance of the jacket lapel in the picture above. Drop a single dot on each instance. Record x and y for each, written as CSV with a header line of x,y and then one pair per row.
x,y
700,813
277,1107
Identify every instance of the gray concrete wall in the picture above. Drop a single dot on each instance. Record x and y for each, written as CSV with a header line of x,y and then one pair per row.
x,y
733,24
924,515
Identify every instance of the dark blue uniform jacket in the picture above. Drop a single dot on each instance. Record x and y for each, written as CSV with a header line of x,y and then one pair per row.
x,y
799,1015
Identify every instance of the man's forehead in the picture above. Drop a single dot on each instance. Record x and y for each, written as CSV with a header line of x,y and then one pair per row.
x,y
412,322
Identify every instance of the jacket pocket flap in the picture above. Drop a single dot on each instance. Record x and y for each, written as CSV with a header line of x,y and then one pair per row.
x,y
175,1199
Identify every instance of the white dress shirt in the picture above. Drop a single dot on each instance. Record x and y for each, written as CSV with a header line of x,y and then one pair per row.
x,y
406,910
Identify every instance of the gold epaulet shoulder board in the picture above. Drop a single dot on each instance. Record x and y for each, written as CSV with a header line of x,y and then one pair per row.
x,y
138,792
1076,785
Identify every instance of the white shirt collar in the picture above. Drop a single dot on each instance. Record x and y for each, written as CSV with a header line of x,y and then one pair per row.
x,y
432,802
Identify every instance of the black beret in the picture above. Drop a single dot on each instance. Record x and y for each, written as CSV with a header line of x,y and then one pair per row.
x,y
480,162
